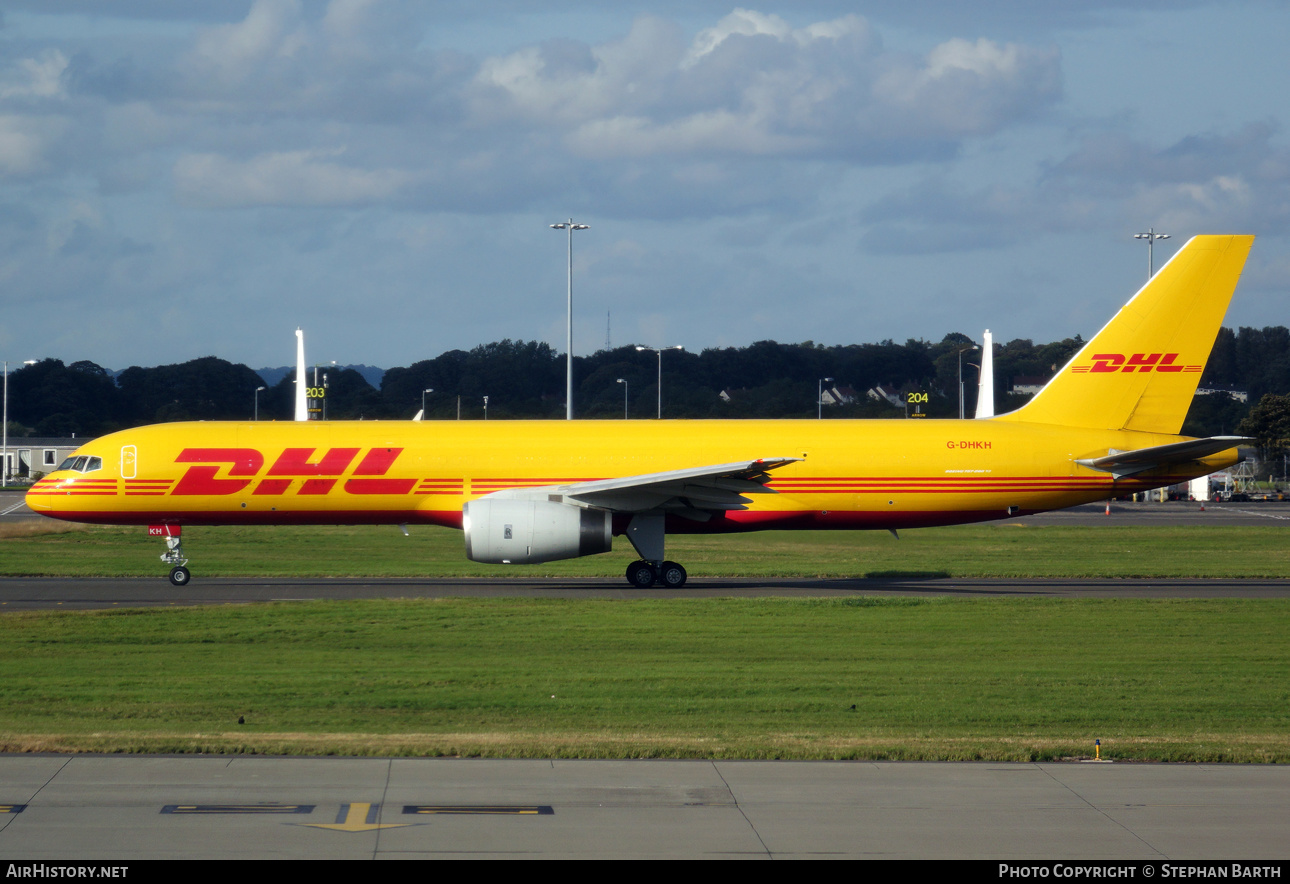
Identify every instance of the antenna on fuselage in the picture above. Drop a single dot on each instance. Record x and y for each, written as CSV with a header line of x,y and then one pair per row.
x,y
302,404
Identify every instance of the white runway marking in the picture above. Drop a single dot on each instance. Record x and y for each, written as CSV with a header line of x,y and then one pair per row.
x,y
1263,515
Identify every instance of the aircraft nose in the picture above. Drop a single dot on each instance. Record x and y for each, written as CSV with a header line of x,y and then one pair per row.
x,y
40,497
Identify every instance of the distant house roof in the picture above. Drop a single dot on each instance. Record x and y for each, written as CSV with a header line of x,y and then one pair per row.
x,y
49,441
883,392
838,395
1215,389
1028,383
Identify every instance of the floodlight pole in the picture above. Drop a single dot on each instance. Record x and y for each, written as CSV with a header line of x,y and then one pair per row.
x,y
568,338
961,352
819,397
258,391
4,450
4,458
623,381
659,351
1151,236
324,398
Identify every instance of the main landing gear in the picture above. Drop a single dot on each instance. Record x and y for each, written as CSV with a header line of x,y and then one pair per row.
x,y
645,574
645,531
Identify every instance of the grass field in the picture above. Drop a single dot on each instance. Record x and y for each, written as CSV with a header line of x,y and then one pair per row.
x,y
1003,679
998,679
47,548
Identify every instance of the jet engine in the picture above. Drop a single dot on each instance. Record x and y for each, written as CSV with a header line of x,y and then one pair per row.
x,y
508,531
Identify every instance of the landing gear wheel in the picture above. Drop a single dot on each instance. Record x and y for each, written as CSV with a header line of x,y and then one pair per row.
x,y
672,575
179,575
641,575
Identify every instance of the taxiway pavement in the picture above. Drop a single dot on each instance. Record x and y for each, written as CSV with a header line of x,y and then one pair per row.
x,y
110,808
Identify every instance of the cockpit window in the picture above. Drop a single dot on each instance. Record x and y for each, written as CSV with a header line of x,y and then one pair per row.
x,y
82,464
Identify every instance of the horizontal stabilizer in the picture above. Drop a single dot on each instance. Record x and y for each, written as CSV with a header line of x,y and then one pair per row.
x,y
1127,463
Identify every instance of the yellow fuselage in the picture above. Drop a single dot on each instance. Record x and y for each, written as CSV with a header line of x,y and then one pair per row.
x,y
854,474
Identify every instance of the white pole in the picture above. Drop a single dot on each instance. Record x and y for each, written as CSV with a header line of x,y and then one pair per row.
x,y
302,406
4,458
985,385
568,337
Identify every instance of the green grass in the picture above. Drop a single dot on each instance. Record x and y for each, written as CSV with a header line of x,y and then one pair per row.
x,y
47,548
1003,679
940,678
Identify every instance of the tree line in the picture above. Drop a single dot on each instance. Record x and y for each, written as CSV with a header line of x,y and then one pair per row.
x,y
526,379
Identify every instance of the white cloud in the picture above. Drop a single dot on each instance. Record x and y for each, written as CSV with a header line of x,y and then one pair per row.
x,y
1238,181
235,52
435,119
1224,203
562,82
272,28
741,22
754,85
964,88
717,131
25,141
293,178
35,78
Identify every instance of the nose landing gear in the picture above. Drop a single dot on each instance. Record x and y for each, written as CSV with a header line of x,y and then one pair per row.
x,y
174,554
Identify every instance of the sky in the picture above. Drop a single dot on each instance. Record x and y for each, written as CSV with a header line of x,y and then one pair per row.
x,y
180,180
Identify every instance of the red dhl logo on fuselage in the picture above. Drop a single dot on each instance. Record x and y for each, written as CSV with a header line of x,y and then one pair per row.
x,y
1140,362
320,476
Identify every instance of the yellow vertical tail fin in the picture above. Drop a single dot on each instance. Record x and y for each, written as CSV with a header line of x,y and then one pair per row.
x,y
1141,370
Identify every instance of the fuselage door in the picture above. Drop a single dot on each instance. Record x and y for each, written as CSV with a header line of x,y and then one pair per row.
x,y
129,461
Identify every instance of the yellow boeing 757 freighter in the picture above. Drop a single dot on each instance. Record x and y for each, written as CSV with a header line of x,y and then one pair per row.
x,y
537,491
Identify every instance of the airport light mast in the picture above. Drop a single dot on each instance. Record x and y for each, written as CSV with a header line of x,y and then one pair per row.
x,y
962,350
819,397
568,339
659,351
1151,236
4,457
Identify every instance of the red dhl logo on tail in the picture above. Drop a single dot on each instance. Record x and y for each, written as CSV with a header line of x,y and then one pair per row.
x,y
243,466
1139,362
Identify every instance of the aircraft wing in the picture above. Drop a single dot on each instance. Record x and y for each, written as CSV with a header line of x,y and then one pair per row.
x,y
1127,463
694,493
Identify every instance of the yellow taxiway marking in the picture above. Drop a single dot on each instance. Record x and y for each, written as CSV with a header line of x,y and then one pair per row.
x,y
238,808
357,817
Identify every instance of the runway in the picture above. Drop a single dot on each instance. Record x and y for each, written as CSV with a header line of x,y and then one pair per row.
x,y
86,593
48,593
114,809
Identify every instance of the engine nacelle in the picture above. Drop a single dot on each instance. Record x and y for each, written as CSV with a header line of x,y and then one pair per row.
x,y
506,531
